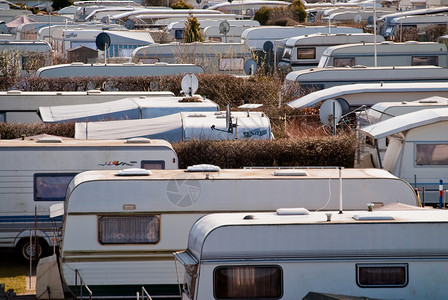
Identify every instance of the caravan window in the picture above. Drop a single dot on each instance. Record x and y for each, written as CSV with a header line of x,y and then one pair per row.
x,y
152,164
129,229
248,282
231,64
382,275
306,53
343,62
425,61
51,187
431,154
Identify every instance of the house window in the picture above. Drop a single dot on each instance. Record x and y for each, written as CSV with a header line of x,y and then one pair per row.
x,y
129,229
388,275
248,282
431,154
152,164
425,61
306,53
51,187
343,61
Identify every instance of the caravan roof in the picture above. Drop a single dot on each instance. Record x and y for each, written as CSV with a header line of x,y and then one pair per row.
x,y
406,122
368,93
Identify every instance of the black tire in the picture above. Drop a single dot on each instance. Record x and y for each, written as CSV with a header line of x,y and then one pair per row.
x,y
24,250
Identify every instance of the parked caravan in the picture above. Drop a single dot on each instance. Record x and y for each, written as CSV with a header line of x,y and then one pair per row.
x,y
176,29
183,126
357,16
126,109
35,175
311,80
383,22
165,204
387,54
21,107
224,58
256,37
368,94
31,55
245,9
79,69
297,254
399,26
417,150
305,51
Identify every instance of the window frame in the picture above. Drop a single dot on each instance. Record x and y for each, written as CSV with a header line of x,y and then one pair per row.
x,y
161,162
99,232
432,60
382,265
416,144
41,175
280,281
351,59
305,49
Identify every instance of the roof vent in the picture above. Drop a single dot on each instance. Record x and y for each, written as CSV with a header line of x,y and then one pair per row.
x,y
203,168
290,172
139,140
49,139
89,92
371,216
249,217
134,172
14,92
292,211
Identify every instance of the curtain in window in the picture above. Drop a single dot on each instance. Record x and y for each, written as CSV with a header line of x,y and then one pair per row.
x,y
129,230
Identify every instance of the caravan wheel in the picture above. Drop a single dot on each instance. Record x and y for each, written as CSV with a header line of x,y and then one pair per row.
x,y
34,250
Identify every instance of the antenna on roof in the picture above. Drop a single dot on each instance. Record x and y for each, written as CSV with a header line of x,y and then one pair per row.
x,y
229,123
330,113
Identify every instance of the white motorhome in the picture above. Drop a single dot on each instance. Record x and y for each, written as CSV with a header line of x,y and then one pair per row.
x,y
388,53
126,109
21,107
305,51
311,80
183,126
356,95
79,69
245,9
297,254
165,204
256,37
224,58
35,175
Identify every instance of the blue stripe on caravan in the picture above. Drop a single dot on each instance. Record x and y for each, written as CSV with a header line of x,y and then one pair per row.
x,y
17,219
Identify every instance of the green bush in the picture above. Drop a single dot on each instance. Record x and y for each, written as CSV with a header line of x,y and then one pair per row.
x,y
262,15
181,5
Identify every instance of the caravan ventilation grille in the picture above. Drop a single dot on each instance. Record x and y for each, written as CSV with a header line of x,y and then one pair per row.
x,y
203,168
134,172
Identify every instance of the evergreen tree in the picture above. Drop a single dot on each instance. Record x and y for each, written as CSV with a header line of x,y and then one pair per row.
x,y
299,9
58,4
192,31
181,5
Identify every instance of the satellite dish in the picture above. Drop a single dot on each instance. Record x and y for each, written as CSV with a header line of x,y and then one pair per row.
x,y
189,84
330,112
344,105
224,27
129,24
250,67
102,41
357,19
370,20
198,1
268,45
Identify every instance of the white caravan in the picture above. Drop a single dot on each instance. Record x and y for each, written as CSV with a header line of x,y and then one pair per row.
x,y
400,25
183,126
245,9
120,231
79,69
311,80
224,58
126,109
387,54
417,149
305,51
21,107
256,37
297,254
356,95
35,175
